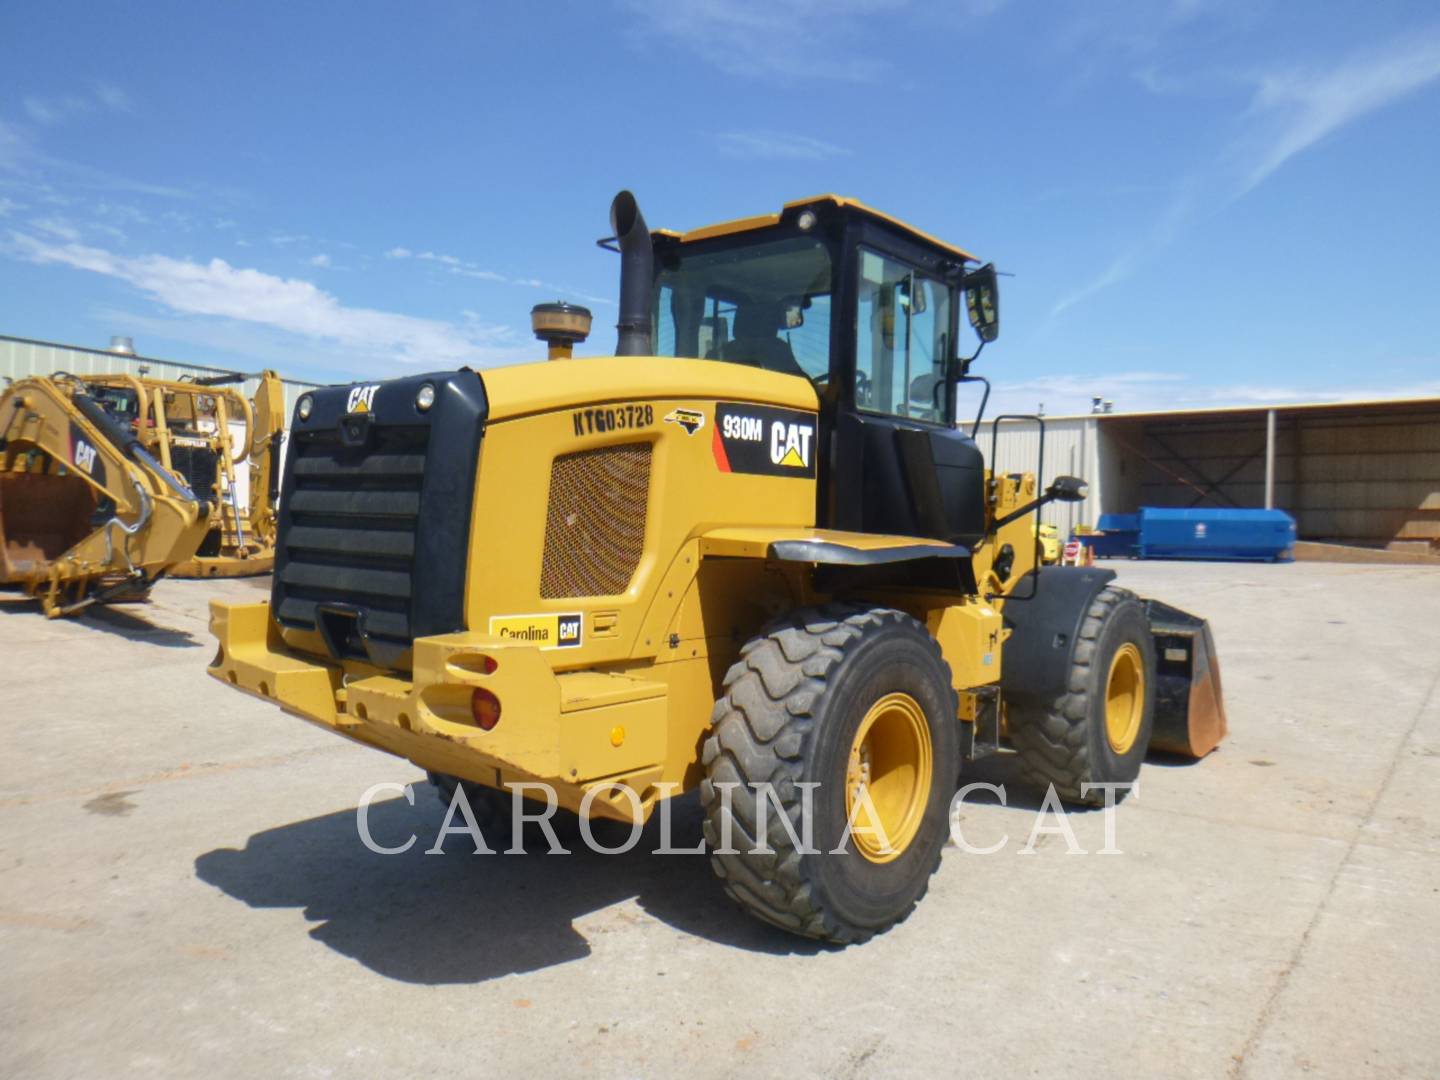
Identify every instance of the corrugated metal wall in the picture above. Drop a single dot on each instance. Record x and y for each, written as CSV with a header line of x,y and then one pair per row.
x,y
1368,477
1368,474
1070,450
21,357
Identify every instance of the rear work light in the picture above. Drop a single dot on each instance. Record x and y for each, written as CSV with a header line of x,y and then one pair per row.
x,y
485,707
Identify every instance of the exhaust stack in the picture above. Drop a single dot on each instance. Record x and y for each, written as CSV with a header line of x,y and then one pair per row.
x,y
637,276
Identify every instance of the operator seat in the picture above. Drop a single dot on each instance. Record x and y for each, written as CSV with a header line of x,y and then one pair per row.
x,y
755,342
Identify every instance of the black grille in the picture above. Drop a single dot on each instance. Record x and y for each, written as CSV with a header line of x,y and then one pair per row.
x,y
374,528
351,536
198,465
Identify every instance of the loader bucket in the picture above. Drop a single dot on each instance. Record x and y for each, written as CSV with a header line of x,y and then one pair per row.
x,y
1189,704
41,517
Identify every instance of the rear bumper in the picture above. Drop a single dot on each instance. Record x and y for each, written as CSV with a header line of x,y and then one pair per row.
x,y
572,731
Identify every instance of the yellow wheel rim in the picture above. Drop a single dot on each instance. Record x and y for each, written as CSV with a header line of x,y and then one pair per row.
x,y
888,780
1124,698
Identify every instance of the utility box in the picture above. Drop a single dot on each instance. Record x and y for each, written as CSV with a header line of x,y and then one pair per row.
x,y
1161,532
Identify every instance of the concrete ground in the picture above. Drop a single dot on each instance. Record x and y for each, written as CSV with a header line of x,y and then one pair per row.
x,y
182,890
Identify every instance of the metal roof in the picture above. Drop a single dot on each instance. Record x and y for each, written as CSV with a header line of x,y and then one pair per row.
x,y
1259,409
762,221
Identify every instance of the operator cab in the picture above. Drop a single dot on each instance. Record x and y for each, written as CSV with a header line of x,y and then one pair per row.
x,y
121,403
867,309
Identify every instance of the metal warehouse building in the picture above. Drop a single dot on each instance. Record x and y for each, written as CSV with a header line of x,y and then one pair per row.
x,y
1365,472
20,357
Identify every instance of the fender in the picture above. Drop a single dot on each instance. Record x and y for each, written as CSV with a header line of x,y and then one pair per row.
x,y
1036,657
828,547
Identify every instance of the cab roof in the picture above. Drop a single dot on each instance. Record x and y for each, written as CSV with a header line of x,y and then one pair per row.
x,y
839,202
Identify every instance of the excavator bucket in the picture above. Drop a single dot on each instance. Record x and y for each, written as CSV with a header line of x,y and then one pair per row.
x,y
86,513
1189,704
41,516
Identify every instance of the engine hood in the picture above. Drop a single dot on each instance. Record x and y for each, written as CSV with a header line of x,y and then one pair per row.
x,y
526,389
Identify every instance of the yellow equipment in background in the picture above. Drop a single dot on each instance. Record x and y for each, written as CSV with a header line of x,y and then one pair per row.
x,y
187,426
753,553
87,513
1047,540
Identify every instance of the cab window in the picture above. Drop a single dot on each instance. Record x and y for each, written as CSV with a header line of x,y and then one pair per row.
x,y
902,340
764,305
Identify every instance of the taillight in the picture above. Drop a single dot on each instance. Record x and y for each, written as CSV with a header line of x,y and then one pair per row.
x,y
485,707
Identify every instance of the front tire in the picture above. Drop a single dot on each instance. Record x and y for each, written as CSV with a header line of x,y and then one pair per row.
x,y
856,701
1097,732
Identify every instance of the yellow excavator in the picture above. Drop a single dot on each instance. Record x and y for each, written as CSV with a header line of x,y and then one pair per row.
x,y
752,554
187,426
87,514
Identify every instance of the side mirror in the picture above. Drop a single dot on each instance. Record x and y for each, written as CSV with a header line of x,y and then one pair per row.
x,y
982,301
1068,489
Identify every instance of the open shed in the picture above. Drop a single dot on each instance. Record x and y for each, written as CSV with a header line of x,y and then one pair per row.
x,y
1363,472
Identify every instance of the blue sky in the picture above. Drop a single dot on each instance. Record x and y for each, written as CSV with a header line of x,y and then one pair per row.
x,y
1201,201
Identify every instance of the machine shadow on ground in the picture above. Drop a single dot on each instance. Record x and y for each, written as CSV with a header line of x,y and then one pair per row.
x,y
110,620
1003,770
466,918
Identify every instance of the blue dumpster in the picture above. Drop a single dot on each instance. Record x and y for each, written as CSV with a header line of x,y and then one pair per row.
x,y
1162,532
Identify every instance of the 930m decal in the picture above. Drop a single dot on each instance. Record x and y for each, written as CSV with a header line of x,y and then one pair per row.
x,y
764,441
612,418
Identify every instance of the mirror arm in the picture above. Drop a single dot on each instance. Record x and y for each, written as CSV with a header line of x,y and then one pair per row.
x,y
1065,488
1048,496
965,361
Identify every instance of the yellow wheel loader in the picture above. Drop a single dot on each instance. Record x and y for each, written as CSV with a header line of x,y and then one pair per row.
x,y
752,553
186,426
87,513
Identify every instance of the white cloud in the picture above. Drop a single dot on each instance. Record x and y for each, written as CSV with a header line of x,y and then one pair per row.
x,y
219,290
113,98
322,260
12,147
1315,104
483,275
56,227
8,206
1289,112
777,39
776,146
452,263
56,110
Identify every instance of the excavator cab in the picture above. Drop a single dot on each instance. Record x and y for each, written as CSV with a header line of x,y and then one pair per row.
x,y
122,403
866,309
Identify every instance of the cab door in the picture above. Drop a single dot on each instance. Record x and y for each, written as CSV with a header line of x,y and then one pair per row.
x,y
898,465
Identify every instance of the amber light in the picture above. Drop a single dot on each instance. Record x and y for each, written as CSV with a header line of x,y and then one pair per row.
x,y
485,707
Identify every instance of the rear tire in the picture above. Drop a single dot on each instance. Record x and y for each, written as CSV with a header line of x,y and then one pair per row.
x,y
845,697
1097,732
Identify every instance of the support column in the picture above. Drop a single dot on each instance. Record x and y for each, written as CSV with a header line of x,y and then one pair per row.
x,y
1270,459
